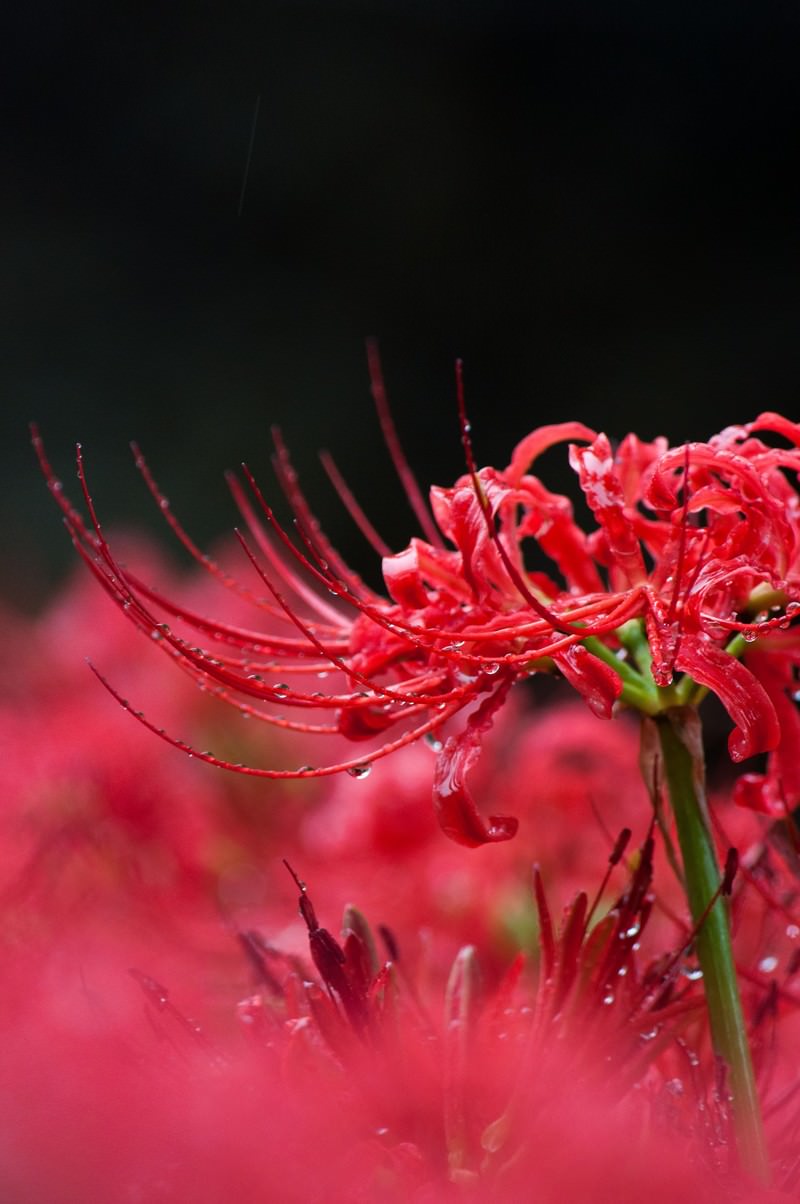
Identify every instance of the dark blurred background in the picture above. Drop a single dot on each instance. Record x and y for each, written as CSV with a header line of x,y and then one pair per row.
x,y
593,204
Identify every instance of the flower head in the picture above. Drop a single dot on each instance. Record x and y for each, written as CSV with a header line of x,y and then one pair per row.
x,y
694,552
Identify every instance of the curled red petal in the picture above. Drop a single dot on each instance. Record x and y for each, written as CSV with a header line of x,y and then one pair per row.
x,y
538,441
595,681
769,421
467,529
455,807
740,692
401,573
781,785
602,488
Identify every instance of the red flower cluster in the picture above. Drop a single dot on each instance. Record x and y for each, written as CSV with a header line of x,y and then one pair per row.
x,y
695,553
139,1068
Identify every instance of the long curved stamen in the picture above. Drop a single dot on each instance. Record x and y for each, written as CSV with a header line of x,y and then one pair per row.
x,y
239,637
355,763
337,661
287,478
312,599
394,447
351,504
206,562
395,628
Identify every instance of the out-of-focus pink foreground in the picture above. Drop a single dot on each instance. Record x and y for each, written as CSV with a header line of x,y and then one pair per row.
x,y
171,1035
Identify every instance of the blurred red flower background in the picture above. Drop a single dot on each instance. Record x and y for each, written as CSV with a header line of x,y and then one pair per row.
x,y
175,1029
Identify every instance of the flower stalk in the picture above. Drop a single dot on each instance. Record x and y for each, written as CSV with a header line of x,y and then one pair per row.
x,y
680,742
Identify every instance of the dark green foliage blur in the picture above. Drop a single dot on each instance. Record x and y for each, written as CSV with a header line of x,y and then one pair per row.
x,y
593,204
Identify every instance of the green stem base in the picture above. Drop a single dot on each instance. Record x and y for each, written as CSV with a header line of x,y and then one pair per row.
x,y
681,746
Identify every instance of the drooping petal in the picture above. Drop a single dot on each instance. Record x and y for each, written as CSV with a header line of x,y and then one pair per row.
x,y
594,680
740,692
455,807
779,788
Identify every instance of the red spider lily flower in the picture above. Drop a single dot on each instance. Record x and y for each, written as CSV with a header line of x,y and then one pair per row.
x,y
694,552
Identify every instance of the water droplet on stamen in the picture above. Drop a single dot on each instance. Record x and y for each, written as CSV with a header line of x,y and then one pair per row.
x,y
359,771
433,742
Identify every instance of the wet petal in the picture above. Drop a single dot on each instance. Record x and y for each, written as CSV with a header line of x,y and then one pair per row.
x,y
740,692
455,807
602,487
594,680
401,573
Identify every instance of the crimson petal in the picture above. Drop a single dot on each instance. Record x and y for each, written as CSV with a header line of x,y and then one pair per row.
x,y
740,692
538,441
455,807
595,681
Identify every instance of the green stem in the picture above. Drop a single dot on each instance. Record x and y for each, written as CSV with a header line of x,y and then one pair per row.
x,y
682,751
